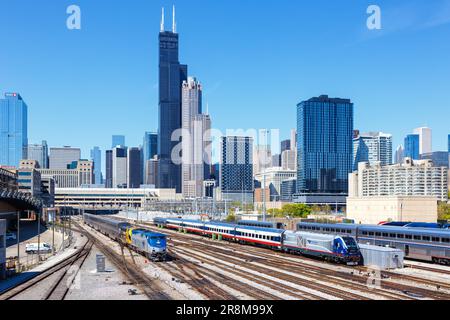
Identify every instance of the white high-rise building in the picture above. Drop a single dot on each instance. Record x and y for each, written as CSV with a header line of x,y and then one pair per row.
x,y
294,139
410,178
60,158
119,167
289,160
399,154
425,139
38,152
372,147
196,140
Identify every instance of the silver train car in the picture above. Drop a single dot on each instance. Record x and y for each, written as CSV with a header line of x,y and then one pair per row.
x,y
425,244
112,228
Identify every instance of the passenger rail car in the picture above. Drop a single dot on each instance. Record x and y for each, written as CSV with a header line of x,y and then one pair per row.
x,y
112,228
331,248
150,244
261,224
425,244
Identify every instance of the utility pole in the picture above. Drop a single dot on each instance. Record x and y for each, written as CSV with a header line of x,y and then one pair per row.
x,y
39,235
53,233
18,241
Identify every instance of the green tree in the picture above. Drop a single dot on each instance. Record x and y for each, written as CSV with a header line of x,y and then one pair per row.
x,y
296,210
443,211
231,218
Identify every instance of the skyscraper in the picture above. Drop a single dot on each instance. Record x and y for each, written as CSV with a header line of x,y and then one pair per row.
x,y
134,170
119,168
425,140
109,168
285,145
236,169
171,76
60,158
149,149
412,142
118,140
325,131
96,157
38,152
399,154
13,129
196,140
372,147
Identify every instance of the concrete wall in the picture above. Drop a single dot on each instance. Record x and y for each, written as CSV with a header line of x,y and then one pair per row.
x,y
373,210
2,248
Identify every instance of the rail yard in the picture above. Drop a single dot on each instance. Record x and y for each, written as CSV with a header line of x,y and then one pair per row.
x,y
203,268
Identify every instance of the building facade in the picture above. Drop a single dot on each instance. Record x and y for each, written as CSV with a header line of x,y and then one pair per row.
x,y
119,168
96,157
149,150
272,178
411,178
171,76
372,147
13,129
439,158
425,140
134,170
60,158
108,169
325,149
29,178
151,177
289,160
236,169
38,152
399,154
288,189
412,144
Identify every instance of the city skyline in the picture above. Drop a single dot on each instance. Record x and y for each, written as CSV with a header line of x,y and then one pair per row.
x,y
193,51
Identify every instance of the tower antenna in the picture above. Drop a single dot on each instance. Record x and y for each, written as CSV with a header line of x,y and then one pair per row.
x,y
162,20
174,23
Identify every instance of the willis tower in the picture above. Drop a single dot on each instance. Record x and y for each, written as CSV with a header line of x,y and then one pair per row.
x,y
171,76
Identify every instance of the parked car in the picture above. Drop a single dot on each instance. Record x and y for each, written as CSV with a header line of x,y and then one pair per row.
x,y
33,248
11,236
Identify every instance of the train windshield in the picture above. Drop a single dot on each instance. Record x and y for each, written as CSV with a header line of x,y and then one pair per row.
x,y
158,241
351,243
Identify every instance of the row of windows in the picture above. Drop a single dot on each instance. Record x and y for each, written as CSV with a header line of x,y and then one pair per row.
x,y
258,236
337,230
406,236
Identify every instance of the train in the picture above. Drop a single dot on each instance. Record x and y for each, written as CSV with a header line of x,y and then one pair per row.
x,y
261,224
417,225
331,248
423,244
150,244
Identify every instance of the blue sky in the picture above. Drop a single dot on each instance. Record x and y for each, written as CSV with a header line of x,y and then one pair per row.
x,y
256,59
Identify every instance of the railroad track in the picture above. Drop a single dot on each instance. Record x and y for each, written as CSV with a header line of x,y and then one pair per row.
x,y
436,270
355,281
60,288
351,280
131,271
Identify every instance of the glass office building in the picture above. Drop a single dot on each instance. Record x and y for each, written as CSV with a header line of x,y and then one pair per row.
x,y
412,146
325,147
96,157
13,129
236,170
149,149
171,76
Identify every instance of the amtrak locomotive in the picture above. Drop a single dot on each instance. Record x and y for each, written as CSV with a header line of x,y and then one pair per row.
x,y
150,244
327,247
425,244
